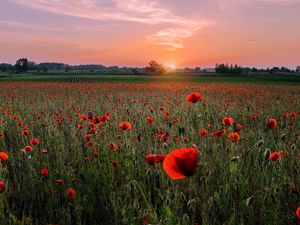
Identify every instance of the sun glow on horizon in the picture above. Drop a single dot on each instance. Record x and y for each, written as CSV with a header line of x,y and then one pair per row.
x,y
171,66
174,33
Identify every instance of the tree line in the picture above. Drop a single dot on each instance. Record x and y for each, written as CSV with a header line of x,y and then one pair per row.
x,y
237,69
23,65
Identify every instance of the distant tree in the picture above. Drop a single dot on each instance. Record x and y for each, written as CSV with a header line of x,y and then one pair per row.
x,y
275,69
254,70
21,65
246,70
298,69
226,69
197,69
155,67
68,68
32,65
135,71
4,67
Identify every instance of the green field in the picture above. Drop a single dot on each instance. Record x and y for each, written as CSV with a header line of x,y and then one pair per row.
x,y
291,79
229,156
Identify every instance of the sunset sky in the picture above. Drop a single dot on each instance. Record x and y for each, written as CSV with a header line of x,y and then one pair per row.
x,y
183,33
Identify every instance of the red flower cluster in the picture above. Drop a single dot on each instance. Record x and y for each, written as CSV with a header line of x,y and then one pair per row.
x,y
151,159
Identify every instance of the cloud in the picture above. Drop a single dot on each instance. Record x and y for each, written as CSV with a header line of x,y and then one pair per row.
x,y
148,12
19,25
227,4
172,37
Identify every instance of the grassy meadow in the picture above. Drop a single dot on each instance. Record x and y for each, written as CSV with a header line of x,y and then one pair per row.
x,y
259,78
67,157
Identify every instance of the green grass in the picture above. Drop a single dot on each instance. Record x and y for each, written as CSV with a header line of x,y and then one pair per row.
x,y
234,183
253,78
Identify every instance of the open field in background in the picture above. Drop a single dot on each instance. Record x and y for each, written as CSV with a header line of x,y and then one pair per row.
x,y
291,79
70,162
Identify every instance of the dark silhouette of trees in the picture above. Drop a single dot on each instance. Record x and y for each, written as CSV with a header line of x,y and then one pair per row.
x,y
22,65
4,67
155,67
254,70
32,65
298,69
135,71
226,69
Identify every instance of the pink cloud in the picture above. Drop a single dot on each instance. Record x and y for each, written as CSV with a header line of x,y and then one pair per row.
x,y
175,28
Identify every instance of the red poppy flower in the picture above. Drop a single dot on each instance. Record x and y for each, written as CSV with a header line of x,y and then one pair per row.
x,y
286,154
88,137
233,137
125,126
3,156
227,121
114,163
150,159
238,128
59,181
96,155
34,141
104,118
181,163
89,144
96,120
203,132
79,126
28,148
2,186
159,158
113,146
44,172
25,132
166,113
271,123
149,120
253,117
15,118
70,193
298,212
218,133
194,97
275,156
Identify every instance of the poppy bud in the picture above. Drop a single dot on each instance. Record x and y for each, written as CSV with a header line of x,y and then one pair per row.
x,y
44,172
70,193
2,186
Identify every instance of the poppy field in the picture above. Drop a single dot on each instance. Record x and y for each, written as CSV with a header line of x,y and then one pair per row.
x,y
149,153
